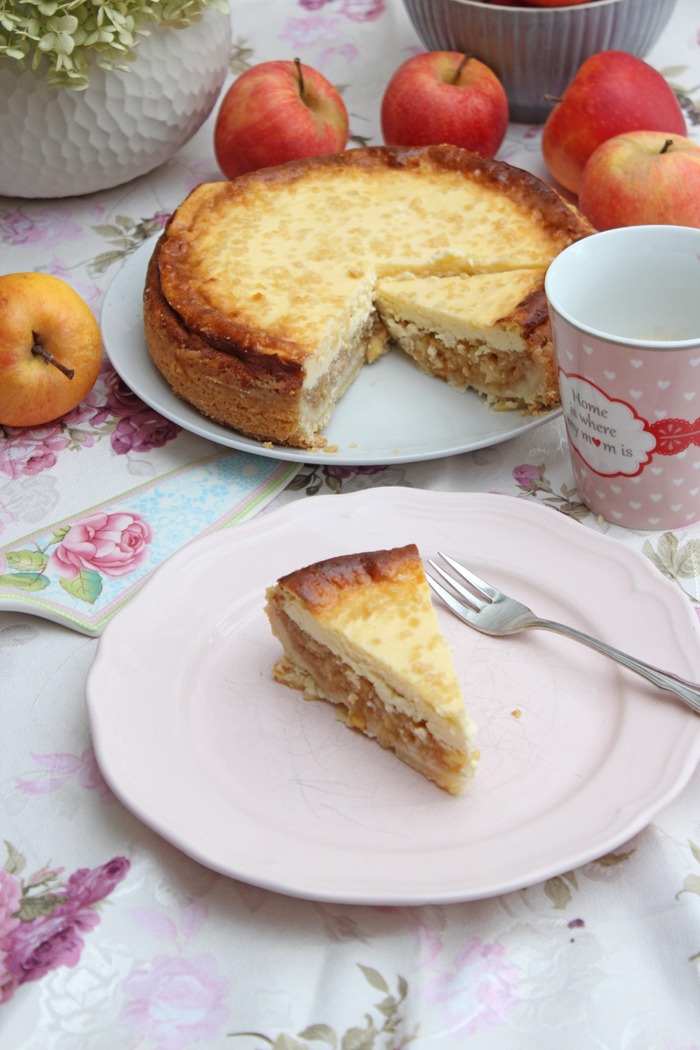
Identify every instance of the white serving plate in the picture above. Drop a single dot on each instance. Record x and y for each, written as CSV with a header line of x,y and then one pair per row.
x,y
393,413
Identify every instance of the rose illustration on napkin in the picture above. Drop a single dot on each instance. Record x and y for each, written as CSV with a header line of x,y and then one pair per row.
x,y
112,544
100,544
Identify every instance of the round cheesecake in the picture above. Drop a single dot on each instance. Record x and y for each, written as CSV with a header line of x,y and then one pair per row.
x,y
266,295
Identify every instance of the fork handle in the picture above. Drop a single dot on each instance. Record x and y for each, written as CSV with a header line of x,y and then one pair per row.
x,y
687,691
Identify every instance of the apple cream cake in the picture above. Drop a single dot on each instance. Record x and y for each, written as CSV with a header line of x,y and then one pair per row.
x,y
266,295
360,631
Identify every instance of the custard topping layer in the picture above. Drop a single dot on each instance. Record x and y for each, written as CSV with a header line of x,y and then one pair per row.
x,y
297,255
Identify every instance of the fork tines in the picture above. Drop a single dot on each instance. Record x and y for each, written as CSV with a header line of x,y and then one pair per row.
x,y
479,586
476,597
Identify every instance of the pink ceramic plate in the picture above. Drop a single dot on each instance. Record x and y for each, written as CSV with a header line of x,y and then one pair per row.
x,y
577,754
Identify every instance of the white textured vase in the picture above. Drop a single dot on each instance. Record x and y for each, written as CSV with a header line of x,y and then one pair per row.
x,y
57,142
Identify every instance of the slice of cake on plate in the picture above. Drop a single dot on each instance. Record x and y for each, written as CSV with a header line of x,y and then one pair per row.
x,y
263,298
361,632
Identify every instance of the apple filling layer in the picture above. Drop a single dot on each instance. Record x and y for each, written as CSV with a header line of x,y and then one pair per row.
x,y
318,672
506,380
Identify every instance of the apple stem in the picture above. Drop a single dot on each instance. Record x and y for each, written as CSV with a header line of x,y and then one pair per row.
x,y
42,352
297,63
460,67
667,145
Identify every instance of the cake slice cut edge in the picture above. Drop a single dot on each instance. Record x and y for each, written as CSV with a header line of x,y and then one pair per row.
x,y
488,332
360,631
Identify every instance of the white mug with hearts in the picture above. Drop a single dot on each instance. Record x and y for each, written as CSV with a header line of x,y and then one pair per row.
x,y
625,313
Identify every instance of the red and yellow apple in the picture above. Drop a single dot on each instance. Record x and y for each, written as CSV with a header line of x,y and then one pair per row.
x,y
642,178
445,97
276,112
613,92
50,349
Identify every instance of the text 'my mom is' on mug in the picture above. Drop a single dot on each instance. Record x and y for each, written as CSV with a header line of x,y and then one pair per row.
x,y
625,313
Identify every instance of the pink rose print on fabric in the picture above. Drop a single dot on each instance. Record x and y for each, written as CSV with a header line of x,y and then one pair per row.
x,y
138,427
47,229
10,895
43,923
142,431
478,992
176,1002
48,942
59,768
29,451
527,477
121,401
160,219
357,10
109,544
533,481
109,409
88,885
312,31
362,10
343,473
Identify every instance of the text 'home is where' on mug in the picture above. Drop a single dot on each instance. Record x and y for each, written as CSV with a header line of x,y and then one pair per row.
x,y
625,313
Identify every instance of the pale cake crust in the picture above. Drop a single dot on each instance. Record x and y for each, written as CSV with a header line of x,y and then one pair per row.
x,y
360,631
260,300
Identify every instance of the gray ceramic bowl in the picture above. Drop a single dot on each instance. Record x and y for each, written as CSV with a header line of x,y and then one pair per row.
x,y
536,51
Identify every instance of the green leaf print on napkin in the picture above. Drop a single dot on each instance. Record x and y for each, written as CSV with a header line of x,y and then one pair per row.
x,y
86,585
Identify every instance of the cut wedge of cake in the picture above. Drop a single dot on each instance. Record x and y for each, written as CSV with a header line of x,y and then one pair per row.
x,y
361,632
262,297
485,332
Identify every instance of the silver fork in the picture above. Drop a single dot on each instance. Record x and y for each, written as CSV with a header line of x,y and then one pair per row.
x,y
493,612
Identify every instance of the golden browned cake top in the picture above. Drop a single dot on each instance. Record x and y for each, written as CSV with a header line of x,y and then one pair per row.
x,y
286,260
326,585
377,607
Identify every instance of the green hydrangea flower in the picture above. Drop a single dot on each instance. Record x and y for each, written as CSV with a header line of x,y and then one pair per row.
x,y
64,38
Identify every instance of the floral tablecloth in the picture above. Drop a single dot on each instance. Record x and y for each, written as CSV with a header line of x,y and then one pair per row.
x,y
112,938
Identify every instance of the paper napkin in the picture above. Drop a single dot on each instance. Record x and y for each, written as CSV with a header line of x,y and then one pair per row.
x,y
81,570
